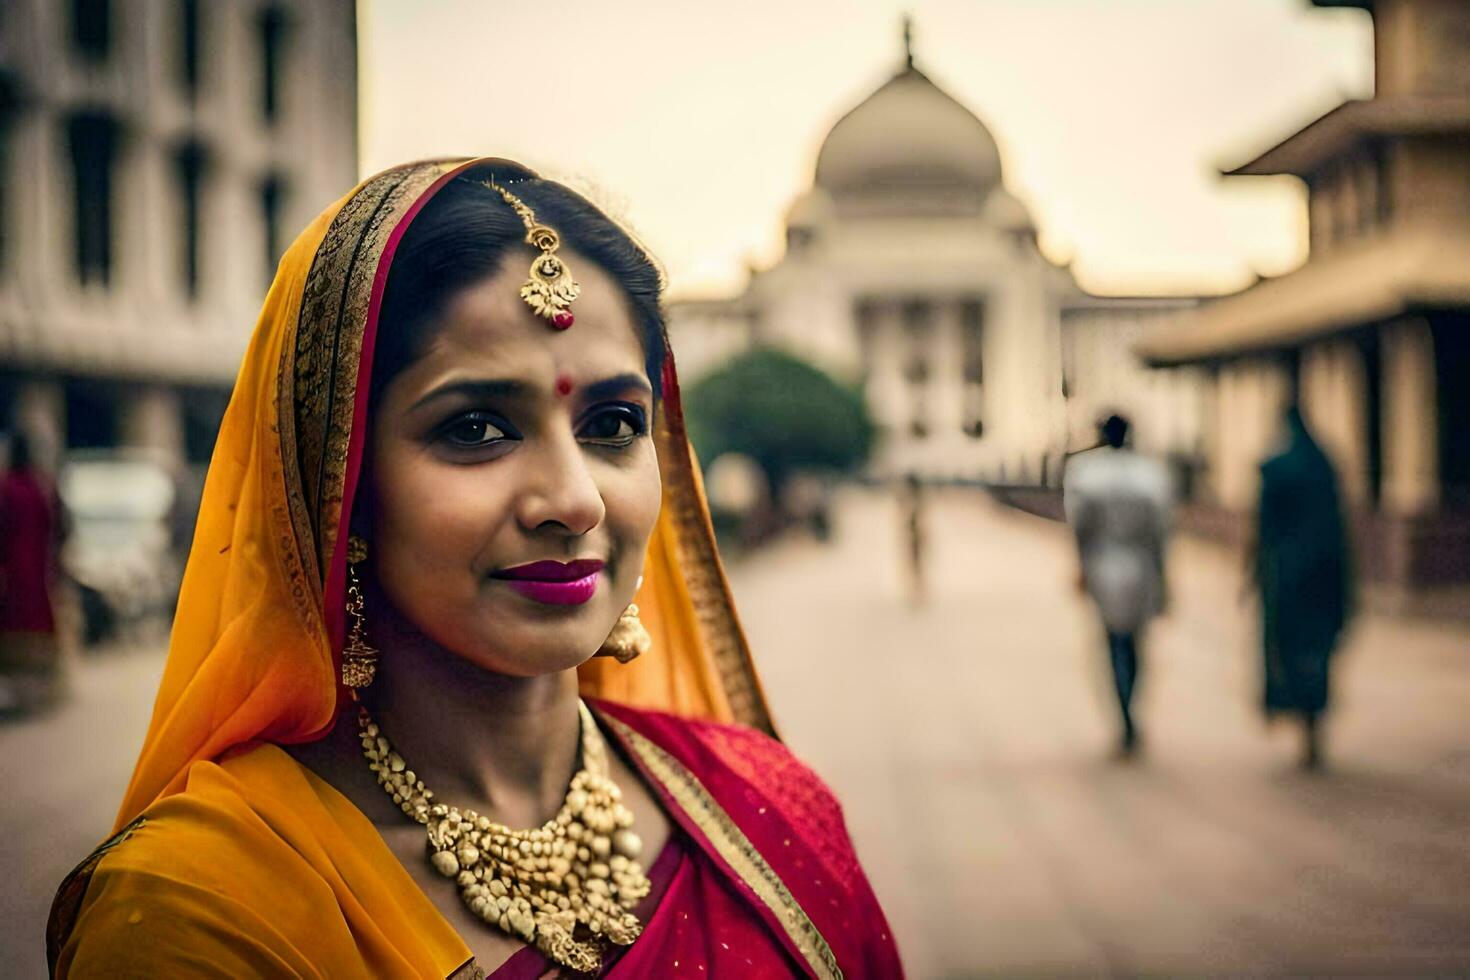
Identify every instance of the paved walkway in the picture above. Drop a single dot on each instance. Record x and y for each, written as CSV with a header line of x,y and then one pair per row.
x,y
968,740
63,776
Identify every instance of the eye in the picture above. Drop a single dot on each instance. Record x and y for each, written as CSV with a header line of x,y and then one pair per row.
x,y
474,430
614,425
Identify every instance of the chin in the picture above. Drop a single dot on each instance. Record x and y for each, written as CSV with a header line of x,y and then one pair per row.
x,y
536,649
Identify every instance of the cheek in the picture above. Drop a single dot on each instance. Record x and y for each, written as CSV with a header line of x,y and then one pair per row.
x,y
633,499
431,517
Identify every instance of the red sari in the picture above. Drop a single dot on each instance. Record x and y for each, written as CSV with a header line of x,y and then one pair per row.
x,y
759,878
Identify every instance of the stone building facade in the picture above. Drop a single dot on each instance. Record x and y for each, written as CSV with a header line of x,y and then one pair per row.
x,y
1372,333
156,156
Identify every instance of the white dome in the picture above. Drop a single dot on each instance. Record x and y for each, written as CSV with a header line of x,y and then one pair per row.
x,y
909,136
1005,211
810,210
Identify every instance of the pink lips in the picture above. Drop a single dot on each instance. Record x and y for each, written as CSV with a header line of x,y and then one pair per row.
x,y
554,583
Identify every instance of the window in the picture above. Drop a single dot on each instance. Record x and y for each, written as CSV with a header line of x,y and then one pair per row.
x,y
918,325
1451,333
972,354
865,312
91,416
1383,176
203,409
1372,361
91,28
94,138
9,112
189,45
972,335
272,26
190,163
916,317
272,194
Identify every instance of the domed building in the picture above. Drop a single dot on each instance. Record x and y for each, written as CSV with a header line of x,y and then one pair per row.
x,y
912,270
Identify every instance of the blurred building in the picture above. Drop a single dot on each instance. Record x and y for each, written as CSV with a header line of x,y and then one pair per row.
x,y
155,158
911,270
1102,374
1373,331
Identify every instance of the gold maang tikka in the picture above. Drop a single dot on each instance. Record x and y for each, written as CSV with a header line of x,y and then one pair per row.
x,y
550,289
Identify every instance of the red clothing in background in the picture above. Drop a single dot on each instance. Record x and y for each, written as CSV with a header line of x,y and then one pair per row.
x,y
27,542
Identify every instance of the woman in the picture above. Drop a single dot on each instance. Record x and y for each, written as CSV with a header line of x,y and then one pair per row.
x,y
1304,571
31,531
435,494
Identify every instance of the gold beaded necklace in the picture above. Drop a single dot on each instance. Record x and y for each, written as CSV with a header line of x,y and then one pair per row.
x,y
569,886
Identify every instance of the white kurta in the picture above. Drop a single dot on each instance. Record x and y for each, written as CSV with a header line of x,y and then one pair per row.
x,y
1118,504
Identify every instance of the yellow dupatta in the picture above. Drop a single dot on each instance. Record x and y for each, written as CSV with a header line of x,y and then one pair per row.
x,y
256,644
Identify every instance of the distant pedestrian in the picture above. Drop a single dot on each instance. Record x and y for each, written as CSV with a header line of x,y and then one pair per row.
x,y
30,541
1303,570
1118,503
915,538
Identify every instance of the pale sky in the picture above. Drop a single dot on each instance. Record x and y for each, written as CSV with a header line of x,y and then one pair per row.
x,y
697,123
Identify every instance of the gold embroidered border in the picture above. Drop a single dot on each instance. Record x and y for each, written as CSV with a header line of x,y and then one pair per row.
x,y
73,889
317,390
735,848
704,576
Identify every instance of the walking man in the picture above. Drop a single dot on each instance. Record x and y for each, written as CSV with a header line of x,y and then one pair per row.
x,y
1118,504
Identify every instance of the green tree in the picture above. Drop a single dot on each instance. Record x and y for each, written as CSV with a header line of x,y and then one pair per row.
x,y
780,411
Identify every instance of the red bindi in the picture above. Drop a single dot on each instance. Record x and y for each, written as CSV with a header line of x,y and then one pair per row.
x,y
563,385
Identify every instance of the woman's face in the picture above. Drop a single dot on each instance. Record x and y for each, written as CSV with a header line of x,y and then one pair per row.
x,y
507,446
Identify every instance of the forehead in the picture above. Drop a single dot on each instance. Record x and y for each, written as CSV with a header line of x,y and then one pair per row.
x,y
487,328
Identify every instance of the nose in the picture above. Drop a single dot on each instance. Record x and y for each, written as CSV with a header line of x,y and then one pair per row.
x,y
562,495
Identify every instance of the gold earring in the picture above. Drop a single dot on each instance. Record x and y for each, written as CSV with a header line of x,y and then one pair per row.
x,y
628,639
359,660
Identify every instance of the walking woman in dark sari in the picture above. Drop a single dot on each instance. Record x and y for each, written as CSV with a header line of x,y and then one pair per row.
x,y
1303,570
456,686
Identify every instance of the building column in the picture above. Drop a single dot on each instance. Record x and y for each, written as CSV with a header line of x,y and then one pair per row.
x,y
1252,395
1333,396
40,412
887,390
947,375
153,419
1410,423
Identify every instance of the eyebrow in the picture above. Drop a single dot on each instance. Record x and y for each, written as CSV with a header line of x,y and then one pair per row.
x,y
509,388
469,389
597,390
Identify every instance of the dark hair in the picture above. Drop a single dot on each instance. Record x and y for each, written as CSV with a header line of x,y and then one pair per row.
x,y
1114,430
459,238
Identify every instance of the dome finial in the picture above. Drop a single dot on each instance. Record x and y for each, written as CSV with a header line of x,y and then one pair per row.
x,y
908,40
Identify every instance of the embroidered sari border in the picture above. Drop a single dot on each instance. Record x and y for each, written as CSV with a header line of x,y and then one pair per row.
x,y
734,848
704,577
73,889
